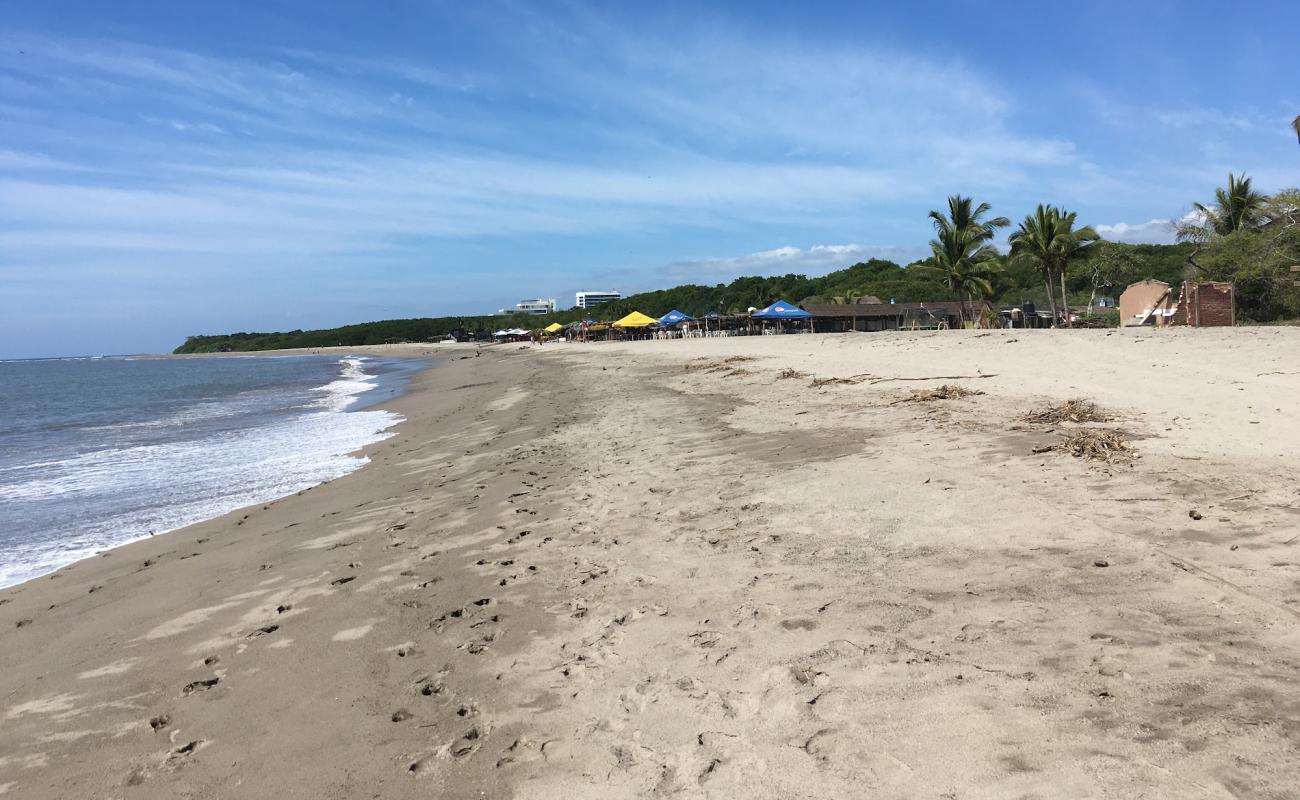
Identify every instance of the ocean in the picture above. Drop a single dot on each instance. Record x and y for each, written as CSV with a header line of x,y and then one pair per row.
x,y
98,452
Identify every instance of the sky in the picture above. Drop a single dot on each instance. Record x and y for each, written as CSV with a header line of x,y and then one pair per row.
x,y
171,168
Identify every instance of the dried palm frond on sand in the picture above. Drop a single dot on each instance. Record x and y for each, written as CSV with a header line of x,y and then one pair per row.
x,y
817,383
787,374
948,391
1094,444
1069,411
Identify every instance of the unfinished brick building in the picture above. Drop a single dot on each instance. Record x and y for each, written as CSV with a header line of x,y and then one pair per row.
x,y
1205,304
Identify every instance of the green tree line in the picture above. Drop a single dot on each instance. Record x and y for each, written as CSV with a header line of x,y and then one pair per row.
x,y
1243,236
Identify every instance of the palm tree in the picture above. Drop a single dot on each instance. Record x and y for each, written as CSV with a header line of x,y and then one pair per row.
x,y
1047,239
1070,243
1236,208
962,249
1034,242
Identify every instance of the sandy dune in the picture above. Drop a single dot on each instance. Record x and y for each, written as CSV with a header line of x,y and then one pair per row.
x,y
681,568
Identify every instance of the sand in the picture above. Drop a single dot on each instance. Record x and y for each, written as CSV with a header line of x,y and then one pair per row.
x,y
680,569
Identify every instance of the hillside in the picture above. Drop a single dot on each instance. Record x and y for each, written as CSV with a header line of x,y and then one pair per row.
x,y
1111,268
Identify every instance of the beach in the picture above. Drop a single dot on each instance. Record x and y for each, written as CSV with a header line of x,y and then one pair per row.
x,y
769,567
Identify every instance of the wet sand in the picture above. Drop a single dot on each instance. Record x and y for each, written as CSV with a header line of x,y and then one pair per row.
x,y
680,568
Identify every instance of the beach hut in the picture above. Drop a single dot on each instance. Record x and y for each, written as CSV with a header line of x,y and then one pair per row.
x,y
782,311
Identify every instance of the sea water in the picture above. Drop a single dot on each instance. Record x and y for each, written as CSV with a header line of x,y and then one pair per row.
x,y
98,452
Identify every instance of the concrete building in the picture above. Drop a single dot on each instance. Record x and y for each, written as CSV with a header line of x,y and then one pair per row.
x,y
539,307
1146,302
590,299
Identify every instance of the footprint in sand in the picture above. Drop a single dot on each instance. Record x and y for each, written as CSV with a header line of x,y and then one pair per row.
x,y
179,755
199,686
469,742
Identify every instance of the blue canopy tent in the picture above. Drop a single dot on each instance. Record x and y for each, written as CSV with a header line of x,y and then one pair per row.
x,y
783,310
672,318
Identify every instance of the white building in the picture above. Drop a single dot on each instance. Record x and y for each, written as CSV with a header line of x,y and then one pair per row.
x,y
539,307
589,299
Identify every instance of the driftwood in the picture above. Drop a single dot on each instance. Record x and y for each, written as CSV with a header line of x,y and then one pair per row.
x,y
937,378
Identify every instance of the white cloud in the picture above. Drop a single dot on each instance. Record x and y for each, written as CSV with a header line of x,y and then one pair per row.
x,y
1156,231
814,260
18,160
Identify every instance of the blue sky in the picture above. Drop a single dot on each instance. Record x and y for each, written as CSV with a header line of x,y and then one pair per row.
x,y
173,168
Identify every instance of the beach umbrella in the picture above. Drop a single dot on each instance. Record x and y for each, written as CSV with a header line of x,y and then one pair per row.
x,y
553,327
672,318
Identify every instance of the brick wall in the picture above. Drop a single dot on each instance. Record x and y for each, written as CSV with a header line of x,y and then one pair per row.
x,y
1206,305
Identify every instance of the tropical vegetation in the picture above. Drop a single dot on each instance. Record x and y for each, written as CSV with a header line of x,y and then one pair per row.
x,y
1243,236
963,251
1048,240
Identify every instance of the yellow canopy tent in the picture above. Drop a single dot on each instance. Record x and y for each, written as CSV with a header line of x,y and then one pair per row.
x,y
634,320
553,327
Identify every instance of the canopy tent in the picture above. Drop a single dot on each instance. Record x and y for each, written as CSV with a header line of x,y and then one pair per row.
x,y
672,318
553,327
499,334
782,310
634,320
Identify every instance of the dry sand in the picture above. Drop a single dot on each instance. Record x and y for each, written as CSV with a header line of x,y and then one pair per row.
x,y
642,569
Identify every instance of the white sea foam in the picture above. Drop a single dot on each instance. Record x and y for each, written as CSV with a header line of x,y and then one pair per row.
x,y
180,483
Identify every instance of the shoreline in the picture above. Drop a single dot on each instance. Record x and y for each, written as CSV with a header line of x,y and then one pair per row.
x,y
377,404
688,568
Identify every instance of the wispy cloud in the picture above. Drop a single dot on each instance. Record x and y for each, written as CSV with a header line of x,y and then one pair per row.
x,y
572,138
1156,231
813,260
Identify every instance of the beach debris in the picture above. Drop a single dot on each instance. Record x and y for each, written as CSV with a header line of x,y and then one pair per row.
x,y
1194,514
788,374
1093,444
1101,562
817,383
159,722
936,378
1069,411
948,391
